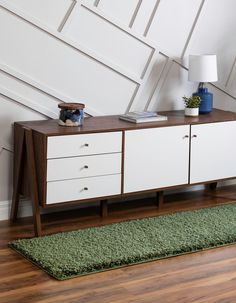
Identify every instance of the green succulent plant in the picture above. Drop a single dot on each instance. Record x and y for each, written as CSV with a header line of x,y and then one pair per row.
x,y
192,102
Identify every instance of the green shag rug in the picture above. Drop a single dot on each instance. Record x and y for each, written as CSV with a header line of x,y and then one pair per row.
x,y
71,254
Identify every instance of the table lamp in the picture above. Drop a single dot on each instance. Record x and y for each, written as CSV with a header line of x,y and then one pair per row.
x,y
203,68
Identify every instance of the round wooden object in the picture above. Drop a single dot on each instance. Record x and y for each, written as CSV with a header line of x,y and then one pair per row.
x,y
71,106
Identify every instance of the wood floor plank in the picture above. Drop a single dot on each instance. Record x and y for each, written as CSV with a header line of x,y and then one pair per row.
x,y
208,276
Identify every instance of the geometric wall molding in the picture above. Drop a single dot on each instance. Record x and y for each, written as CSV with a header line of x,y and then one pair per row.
x,y
216,86
69,42
231,72
144,16
135,13
171,16
28,103
42,88
231,79
50,12
216,27
149,23
5,146
86,20
192,28
129,85
67,15
125,11
64,38
152,81
114,56
159,81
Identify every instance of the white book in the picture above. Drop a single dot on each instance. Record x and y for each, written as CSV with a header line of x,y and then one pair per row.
x,y
140,114
144,119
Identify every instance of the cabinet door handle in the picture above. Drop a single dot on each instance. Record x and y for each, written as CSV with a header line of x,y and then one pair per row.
x,y
86,144
194,136
186,136
85,188
86,166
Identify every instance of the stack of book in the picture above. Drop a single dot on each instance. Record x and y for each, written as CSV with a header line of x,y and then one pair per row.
x,y
142,117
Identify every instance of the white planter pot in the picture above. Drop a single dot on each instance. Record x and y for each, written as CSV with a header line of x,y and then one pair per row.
x,y
193,112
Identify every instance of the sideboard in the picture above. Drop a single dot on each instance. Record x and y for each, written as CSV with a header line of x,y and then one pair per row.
x,y
109,158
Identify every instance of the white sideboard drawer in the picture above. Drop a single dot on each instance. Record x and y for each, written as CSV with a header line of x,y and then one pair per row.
x,y
86,188
87,144
83,166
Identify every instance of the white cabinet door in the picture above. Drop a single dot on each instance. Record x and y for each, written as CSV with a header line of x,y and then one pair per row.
x,y
213,150
156,158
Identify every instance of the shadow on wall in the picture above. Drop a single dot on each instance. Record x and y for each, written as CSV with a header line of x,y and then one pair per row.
x,y
175,85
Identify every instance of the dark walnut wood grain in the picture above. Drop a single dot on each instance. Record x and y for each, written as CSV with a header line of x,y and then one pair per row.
x,y
113,123
204,277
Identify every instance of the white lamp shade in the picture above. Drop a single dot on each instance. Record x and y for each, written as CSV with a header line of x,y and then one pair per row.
x,y
202,68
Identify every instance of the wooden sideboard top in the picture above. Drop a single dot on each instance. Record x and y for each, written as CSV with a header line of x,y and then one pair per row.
x,y
113,123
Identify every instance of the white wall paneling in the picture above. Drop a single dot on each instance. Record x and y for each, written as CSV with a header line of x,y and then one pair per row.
x,y
6,161
151,17
46,91
28,103
123,10
96,2
67,15
135,13
95,31
26,94
174,85
231,80
114,56
15,112
222,99
51,13
144,16
67,70
171,24
217,32
152,80
192,28
5,146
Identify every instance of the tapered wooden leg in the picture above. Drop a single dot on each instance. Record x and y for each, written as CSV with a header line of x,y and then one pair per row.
x,y
160,198
213,186
33,181
103,208
18,172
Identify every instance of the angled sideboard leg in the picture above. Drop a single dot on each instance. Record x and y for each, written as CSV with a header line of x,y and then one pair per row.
x,y
103,208
160,198
18,172
33,181
213,186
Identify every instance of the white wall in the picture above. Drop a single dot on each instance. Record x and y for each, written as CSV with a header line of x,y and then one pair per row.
x,y
113,55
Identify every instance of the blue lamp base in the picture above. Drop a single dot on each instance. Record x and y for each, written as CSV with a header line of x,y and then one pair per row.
x,y
207,100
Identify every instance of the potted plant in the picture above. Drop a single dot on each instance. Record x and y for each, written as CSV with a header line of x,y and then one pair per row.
x,y
192,105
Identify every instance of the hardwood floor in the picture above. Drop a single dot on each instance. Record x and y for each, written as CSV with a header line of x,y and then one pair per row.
x,y
208,276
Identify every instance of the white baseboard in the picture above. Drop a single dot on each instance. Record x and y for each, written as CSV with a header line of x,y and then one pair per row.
x,y
25,209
